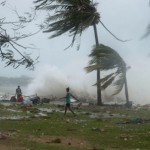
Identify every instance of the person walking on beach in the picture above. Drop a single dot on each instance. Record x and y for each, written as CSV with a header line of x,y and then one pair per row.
x,y
18,92
68,97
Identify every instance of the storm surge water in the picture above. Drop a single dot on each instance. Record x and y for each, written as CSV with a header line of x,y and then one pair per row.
x,y
51,81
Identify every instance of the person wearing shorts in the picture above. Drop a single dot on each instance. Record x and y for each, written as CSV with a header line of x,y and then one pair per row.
x,y
68,98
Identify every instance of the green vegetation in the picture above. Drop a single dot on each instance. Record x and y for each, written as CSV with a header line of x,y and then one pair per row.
x,y
105,58
112,128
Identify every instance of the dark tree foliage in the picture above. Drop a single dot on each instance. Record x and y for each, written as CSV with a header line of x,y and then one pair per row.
x,y
9,46
72,16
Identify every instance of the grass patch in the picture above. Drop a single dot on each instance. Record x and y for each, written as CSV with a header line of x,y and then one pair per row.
x,y
55,131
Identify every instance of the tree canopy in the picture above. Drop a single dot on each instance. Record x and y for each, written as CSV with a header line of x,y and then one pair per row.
x,y
72,16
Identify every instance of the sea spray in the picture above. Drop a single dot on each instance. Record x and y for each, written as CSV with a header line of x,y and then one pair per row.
x,y
51,81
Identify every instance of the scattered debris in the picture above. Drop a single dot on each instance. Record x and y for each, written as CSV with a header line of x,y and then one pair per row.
x,y
71,129
97,129
45,100
13,99
133,121
3,136
27,103
94,148
62,141
57,140
124,137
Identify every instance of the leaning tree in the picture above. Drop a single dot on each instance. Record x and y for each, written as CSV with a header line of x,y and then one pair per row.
x,y
11,51
110,61
73,16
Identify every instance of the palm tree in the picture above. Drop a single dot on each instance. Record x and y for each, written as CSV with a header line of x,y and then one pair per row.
x,y
73,16
109,60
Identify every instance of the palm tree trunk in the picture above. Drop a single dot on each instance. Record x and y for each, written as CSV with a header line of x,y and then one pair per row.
x,y
126,92
99,98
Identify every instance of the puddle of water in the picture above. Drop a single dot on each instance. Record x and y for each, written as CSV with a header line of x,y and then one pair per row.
x,y
13,117
106,115
6,103
12,110
40,115
48,110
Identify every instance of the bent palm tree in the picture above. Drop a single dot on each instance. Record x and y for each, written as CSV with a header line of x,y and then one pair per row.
x,y
109,59
73,16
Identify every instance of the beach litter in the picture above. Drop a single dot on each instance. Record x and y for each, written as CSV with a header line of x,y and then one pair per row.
x,y
3,136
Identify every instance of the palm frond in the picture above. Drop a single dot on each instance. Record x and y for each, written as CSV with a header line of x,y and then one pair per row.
x,y
107,77
91,68
55,17
119,84
105,58
108,82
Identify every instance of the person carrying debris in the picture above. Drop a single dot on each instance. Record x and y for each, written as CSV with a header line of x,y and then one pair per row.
x,y
68,101
19,94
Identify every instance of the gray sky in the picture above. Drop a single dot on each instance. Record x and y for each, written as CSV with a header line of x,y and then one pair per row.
x,y
58,68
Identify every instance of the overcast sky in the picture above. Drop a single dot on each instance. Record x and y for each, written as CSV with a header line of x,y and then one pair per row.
x,y
127,19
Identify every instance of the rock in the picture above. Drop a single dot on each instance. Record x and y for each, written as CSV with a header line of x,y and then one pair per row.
x,y
57,140
95,129
13,99
35,100
45,100
3,136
